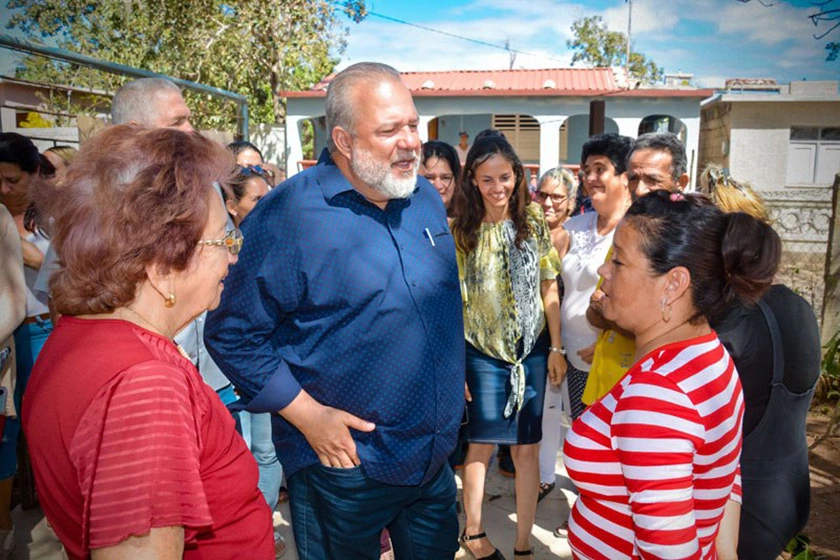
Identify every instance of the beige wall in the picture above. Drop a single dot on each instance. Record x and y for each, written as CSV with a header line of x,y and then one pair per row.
x,y
760,134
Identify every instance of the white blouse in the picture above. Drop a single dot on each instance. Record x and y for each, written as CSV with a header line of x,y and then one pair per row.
x,y
587,252
34,304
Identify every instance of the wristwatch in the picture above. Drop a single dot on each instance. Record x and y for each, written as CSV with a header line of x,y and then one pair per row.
x,y
560,350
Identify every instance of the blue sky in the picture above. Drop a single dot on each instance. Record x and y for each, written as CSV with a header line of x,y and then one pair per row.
x,y
713,39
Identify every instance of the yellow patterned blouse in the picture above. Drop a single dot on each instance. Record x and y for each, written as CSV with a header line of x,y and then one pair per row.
x,y
500,286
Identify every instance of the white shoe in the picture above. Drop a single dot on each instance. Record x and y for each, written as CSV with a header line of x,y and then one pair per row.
x,y
7,543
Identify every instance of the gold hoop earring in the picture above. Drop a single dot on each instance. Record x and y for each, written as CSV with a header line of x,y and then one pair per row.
x,y
664,307
169,301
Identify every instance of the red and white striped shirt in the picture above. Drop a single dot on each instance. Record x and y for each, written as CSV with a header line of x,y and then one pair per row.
x,y
656,459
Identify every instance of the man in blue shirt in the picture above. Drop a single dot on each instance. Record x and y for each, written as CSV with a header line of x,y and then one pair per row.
x,y
344,315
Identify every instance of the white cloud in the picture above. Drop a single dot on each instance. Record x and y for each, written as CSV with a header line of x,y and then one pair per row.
x,y
712,39
802,56
767,25
711,81
649,16
541,42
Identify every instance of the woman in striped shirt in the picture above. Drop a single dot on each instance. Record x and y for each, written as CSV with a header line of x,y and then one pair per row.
x,y
656,459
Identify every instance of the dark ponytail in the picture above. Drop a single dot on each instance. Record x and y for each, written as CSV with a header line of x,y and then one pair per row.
x,y
731,257
751,252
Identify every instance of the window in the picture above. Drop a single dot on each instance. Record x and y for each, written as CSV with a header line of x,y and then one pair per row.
x,y
813,156
523,133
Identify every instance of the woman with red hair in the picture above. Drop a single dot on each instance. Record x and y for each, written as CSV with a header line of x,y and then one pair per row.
x,y
133,453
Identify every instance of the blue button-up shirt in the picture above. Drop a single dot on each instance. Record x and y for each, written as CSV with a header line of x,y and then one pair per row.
x,y
359,306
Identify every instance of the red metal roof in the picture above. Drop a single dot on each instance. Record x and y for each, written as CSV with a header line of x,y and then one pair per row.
x,y
575,79
469,83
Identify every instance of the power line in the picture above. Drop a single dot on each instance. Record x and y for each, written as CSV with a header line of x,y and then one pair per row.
x,y
448,34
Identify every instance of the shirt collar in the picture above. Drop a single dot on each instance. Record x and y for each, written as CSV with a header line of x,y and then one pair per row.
x,y
333,182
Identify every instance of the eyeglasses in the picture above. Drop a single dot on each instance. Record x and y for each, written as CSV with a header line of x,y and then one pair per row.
x,y
555,198
232,241
445,179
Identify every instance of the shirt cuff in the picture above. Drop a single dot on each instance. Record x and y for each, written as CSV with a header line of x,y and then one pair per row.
x,y
280,390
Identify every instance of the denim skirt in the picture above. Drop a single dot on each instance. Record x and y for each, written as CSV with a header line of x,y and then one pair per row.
x,y
488,380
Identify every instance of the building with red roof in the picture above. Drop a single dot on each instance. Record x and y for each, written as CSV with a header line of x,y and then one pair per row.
x,y
544,113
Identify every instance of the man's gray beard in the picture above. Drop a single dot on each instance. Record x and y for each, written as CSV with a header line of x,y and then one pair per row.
x,y
379,177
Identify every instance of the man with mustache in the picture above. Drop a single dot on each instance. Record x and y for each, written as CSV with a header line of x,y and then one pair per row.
x,y
656,162
343,317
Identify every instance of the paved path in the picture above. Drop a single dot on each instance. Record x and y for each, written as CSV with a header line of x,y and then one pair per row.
x,y
499,517
499,522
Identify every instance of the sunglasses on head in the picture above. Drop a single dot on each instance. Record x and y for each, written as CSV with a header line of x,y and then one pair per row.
x,y
256,171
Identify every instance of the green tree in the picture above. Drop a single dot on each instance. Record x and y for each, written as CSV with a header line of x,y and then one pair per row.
x,y
252,48
595,45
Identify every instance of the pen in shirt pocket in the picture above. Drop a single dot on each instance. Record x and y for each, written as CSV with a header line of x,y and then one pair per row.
x,y
430,236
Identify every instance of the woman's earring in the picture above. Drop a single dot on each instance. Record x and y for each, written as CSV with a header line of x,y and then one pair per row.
x,y
664,307
169,301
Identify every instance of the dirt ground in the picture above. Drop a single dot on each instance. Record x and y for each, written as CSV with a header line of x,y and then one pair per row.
x,y
824,523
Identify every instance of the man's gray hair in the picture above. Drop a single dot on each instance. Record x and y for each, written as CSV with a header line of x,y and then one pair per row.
x,y
663,142
340,108
134,100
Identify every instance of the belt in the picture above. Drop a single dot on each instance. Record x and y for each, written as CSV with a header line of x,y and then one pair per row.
x,y
36,319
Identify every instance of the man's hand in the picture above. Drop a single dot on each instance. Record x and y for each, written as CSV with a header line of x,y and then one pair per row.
x,y
556,368
587,354
467,394
327,430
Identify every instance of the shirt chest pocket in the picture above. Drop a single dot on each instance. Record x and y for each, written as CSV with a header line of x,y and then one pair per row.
x,y
438,255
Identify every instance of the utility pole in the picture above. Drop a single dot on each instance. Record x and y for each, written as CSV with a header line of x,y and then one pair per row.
x,y
627,55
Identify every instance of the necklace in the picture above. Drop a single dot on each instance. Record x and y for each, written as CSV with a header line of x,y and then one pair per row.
x,y
160,331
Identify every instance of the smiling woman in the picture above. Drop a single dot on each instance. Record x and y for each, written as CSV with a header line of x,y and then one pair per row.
x,y
140,233
508,267
590,237
442,169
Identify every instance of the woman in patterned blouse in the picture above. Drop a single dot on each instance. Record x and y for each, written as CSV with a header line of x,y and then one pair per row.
x,y
507,267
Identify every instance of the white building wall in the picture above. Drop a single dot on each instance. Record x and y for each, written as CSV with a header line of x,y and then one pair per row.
x,y
761,135
271,140
294,146
423,127
627,111
629,126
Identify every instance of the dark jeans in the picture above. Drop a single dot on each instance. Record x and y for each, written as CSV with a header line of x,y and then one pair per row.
x,y
340,513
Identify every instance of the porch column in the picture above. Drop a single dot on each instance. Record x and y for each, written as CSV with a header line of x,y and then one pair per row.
x,y
293,144
692,152
549,140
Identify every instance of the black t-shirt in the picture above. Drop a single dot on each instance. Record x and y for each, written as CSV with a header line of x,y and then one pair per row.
x,y
746,336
